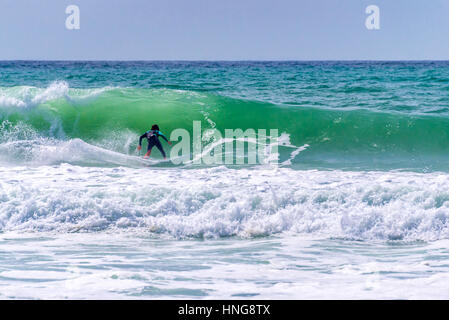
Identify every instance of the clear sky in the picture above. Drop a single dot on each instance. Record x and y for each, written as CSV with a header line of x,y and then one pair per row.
x,y
224,30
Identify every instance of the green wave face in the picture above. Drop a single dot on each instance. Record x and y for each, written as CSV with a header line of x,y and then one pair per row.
x,y
113,118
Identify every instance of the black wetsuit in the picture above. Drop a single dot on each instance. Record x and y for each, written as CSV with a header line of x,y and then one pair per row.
x,y
152,136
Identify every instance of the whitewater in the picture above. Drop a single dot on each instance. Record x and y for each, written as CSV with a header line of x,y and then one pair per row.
x,y
358,199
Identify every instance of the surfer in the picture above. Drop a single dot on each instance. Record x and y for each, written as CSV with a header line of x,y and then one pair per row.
x,y
153,140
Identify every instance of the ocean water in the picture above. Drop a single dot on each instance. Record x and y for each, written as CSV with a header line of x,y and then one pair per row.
x,y
357,205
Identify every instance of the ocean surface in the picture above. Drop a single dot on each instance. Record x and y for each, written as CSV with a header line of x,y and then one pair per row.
x,y
356,205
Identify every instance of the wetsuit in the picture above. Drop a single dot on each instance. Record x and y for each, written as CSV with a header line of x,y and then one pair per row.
x,y
152,136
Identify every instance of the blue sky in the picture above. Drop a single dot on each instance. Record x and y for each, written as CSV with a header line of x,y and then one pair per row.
x,y
224,30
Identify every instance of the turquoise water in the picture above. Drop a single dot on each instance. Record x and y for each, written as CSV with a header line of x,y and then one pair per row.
x,y
359,196
351,115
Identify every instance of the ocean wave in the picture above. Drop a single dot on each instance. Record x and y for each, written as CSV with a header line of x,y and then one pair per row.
x,y
221,202
110,117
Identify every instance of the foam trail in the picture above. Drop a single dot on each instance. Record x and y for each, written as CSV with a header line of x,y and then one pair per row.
x,y
43,151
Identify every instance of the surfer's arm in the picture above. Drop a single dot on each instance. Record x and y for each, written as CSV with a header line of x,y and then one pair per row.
x,y
140,140
160,134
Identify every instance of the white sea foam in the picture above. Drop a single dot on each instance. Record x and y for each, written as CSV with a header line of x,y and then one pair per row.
x,y
221,202
11,102
29,97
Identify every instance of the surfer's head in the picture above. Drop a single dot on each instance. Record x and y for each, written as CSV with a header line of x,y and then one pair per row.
x,y
155,127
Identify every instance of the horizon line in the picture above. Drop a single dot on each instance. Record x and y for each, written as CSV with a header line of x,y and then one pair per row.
x,y
224,60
